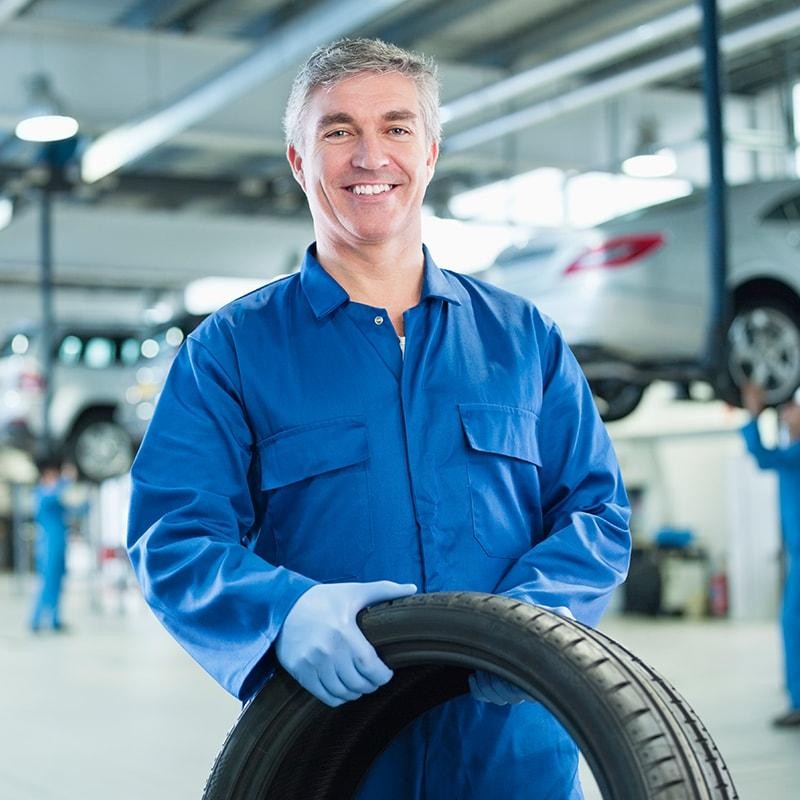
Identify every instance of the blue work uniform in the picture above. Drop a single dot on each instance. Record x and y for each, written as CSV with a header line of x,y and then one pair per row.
x,y
295,442
50,516
786,462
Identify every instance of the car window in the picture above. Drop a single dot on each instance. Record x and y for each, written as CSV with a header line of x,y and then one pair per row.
x,y
788,210
129,351
99,352
16,345
69,351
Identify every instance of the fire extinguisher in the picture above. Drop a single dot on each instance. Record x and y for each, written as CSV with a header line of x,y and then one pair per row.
x,y
718,594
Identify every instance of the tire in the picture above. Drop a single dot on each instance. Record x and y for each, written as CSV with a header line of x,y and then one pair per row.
x,y
763,346
641,739
616,398
99,446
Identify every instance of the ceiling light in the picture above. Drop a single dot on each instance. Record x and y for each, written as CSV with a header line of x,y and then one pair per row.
x,y
659,164
45,120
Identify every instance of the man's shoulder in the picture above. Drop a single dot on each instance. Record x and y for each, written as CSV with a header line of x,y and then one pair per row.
x,y
238,315
501,300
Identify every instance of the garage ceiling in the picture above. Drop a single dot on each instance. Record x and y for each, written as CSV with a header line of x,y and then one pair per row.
x,y
121,62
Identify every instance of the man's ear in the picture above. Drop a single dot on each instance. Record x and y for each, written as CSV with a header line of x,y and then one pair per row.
x,y
433,155
296,163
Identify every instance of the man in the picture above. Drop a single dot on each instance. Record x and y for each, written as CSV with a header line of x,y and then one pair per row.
x,y
52,528
370,427
786,462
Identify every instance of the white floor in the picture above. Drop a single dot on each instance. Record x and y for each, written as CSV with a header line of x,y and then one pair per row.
x,y
115,709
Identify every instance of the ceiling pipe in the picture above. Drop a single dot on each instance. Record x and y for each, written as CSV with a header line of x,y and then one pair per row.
x,y
278,51
586,58
760,33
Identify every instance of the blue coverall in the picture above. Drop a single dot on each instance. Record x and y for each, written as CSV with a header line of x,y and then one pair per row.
x,y
786,462
51,550
294,443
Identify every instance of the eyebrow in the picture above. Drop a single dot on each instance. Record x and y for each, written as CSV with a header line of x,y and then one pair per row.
x,y
343,118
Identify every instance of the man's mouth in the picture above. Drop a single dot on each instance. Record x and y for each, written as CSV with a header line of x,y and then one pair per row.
x,y
371,188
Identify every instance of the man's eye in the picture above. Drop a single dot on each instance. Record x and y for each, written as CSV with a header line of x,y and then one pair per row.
x,y
400,131
339,134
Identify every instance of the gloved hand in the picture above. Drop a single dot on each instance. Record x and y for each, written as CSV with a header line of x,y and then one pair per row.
x,y
321,646
489,688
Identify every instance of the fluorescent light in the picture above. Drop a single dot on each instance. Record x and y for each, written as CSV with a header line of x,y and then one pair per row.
x,y
660,164
47,128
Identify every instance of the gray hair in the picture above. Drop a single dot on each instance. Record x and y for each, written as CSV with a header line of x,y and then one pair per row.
x,y
332,63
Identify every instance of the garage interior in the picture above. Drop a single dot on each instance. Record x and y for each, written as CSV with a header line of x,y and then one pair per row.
x,y
175,196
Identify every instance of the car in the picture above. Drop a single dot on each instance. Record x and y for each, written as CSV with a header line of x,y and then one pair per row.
x,y
92,363
157,353
632,296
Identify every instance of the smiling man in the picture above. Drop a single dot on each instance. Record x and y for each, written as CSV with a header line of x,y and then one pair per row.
x,y
371,427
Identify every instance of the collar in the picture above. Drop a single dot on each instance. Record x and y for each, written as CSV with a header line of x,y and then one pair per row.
x,y
325,294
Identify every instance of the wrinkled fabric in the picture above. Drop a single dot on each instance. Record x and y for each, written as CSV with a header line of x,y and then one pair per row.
x,y
786,462
294,443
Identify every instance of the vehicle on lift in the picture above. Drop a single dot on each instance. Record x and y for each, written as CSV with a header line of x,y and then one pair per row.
x,y
633,295
158,350
92,364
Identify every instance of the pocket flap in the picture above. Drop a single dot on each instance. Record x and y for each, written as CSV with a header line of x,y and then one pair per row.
x,y
299,453
505,430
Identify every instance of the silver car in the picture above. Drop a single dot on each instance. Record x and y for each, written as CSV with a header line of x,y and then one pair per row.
x,y
633,295
91,367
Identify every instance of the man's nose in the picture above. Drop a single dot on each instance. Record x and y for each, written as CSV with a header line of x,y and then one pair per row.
x,y
370,153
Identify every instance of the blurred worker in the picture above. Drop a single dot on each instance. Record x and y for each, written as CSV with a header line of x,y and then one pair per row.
x,y
786,462
51,515
372,425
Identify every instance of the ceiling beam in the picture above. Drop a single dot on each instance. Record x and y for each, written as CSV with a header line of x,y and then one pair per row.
x,y
593,56
769,30
278,51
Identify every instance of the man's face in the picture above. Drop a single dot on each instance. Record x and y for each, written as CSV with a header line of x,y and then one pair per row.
x,y
365,161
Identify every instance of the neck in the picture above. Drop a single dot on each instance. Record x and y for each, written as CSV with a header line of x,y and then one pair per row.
x,y
377,276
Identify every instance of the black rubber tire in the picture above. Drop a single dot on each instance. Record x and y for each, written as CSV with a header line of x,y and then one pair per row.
x,y
777,391
640,738
616,398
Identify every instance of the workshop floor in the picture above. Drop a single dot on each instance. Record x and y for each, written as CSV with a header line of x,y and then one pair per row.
x,y
115,709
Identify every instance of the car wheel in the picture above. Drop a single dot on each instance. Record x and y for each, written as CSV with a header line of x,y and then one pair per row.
x,y
640,738
99,447
763,347
616,398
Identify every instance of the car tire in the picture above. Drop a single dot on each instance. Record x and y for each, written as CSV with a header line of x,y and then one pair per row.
x,y
762,346
640,738
99,447
616,398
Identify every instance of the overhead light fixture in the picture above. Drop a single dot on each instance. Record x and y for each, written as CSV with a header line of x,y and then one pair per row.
x,y
659,164
45,120
649,160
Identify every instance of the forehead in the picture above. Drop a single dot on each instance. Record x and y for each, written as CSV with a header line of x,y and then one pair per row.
x,y
364,94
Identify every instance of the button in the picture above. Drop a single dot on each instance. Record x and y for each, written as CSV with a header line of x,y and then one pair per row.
x,y
378,320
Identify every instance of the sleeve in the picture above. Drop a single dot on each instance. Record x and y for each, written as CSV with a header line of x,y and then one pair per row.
x,y
192,515
766,457
586,547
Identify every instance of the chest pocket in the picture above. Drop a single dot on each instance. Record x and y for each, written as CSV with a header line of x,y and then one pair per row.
x,y
503,464
316,481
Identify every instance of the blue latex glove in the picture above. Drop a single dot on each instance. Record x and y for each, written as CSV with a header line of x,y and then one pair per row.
x,y
489,688
323,649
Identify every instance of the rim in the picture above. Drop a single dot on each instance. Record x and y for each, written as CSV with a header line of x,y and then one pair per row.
x,y
102,450
765,349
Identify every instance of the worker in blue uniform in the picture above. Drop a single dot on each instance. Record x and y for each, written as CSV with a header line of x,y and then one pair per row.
x,y
51,515
370,427
785,460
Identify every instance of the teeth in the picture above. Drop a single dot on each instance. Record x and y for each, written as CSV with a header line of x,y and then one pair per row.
x,y
371,188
